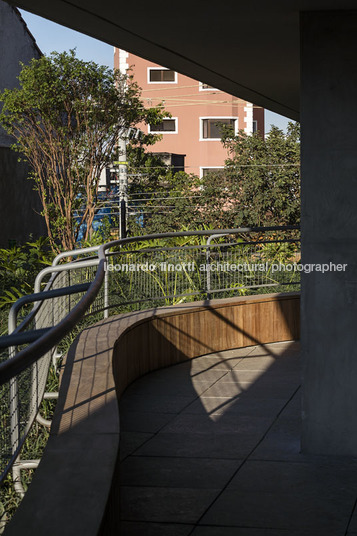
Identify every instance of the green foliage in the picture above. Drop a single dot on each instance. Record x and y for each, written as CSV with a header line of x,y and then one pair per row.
x,y
282,253
66,117
260,184
19,266
165,201
32,450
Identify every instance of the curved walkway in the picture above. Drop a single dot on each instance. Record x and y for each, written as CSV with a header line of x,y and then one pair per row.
x,y
211,447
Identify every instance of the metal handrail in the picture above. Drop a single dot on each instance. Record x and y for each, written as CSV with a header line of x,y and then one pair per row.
x,y
37,297
27,356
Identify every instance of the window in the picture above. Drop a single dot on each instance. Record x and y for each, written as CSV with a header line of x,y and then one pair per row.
x,y
206,170
167,126
212,127
255,126
161,75
204,86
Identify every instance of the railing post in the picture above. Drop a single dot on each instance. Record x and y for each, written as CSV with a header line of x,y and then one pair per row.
x,y
208,262
13,391
106,290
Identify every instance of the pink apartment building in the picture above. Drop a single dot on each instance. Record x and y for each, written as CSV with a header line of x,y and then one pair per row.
x,y
191,137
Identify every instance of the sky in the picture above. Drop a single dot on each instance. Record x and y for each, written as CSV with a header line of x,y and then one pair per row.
x,y
51,36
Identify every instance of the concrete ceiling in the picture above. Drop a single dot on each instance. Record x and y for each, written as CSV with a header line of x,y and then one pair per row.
x,y
249,49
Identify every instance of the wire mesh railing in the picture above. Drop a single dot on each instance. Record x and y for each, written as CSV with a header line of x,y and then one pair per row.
x,y
127,275
21,396
200,269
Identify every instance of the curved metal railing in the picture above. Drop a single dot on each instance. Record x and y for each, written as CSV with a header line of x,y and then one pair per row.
x,y
93,285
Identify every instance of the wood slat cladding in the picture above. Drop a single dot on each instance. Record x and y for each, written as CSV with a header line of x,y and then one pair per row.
x,y
175,334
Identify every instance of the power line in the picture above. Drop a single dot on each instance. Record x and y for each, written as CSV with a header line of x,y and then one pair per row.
x,y
203,99
233,165
177,87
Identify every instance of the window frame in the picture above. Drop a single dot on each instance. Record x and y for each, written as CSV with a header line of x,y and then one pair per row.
x,y
201,88
211,168
160,81
201,119
165,131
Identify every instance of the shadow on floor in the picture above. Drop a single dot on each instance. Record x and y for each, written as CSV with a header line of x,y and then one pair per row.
x,y
211,447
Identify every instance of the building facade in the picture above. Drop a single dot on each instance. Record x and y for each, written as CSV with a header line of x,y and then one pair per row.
x,y
191,137
20,204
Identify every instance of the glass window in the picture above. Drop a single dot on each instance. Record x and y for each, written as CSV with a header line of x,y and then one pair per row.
x,y
208,170
212,128
166,125
162,75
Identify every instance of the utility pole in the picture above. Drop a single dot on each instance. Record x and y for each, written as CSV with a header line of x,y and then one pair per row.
x,y
123,185
123,176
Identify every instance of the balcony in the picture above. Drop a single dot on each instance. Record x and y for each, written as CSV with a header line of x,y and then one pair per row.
x,y
185,420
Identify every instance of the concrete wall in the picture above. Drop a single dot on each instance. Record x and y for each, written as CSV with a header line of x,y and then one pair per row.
x,y
19,203
329,221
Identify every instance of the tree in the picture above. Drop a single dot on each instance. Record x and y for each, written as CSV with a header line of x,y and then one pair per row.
x,y
260,184
66,118
163,200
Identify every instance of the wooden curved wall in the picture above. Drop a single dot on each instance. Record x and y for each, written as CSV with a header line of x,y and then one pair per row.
x,y
176,334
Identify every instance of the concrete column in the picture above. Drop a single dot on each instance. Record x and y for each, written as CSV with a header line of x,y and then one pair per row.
x,y
329,231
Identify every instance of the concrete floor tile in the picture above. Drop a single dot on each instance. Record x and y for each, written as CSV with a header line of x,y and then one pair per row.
x,y
130,441
165,505
183,370
136,421
282,495
270,363
275,373
282,442
278,510
252,362
235,352
218,424
263,388
239,405
241,375
201,386
293,408
160,404
327,479
277,349
177,472
229,389
182,386
353,524
132,528
173,478
222,446
214,362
